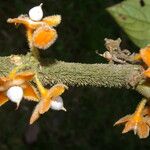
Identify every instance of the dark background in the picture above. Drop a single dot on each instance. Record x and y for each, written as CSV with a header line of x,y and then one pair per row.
x,y
88,123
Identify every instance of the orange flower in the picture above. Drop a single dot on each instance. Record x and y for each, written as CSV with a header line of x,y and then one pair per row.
x,y
10,85
40,34
144,55
47,96
137,122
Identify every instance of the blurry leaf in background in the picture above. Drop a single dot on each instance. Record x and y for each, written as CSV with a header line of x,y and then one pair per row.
x,y
134,19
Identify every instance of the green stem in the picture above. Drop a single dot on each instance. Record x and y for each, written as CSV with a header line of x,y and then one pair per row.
x,y
35,52
144,89
98,75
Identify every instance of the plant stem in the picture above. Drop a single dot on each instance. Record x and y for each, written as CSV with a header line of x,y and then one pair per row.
x,y
34,51
99,75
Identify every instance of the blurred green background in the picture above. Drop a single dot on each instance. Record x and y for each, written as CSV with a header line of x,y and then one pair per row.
x,y
88,123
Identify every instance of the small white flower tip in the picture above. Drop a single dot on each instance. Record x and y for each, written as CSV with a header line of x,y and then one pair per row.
x,y
135,129
64,109
41,5
57,104
17,106
15,94
36,13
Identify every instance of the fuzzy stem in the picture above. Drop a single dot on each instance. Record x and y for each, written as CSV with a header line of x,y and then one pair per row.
x,y
34,50
99,75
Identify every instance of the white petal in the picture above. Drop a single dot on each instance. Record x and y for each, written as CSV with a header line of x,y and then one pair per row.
x,y
57,104
36,13
15,94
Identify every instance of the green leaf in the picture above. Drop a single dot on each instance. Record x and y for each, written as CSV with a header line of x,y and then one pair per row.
x,y
134,19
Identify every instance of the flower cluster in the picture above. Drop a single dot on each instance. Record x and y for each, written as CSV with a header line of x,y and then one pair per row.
x,y
139,121
41,34
17,86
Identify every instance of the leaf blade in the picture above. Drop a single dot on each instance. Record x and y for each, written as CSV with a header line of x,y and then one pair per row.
x,y
134,20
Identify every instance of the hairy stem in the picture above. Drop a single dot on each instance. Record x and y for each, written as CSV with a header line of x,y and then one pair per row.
x,y
34,50
99,75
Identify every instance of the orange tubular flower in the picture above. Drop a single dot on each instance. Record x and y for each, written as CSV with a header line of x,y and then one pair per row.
x,y
40,34
17,85
137,122
47,96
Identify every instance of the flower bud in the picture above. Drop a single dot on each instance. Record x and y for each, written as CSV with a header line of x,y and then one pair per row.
x,y
36,13
57,104
15,94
